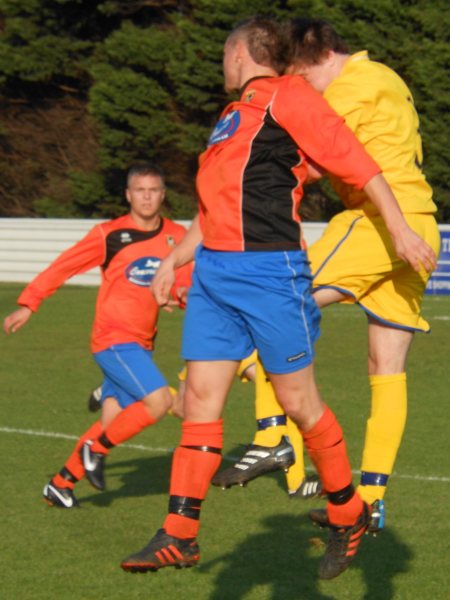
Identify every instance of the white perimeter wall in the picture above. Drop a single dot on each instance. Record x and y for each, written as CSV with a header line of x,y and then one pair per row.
x,y
27,246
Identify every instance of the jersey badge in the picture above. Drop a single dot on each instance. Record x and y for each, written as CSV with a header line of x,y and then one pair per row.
x,y
249,95
170,240
125,237
225,128
141,271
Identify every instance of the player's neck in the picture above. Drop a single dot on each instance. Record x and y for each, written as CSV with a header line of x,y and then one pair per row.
x,y
146,223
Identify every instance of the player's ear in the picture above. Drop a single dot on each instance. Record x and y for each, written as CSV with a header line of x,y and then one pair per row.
x,y
127,195
330,58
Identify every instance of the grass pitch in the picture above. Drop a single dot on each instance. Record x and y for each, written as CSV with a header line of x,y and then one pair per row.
x,y
256,544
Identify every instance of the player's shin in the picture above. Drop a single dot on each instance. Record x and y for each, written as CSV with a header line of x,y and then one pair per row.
x,y
296,473
74,464
383,433
326,447
270,417
128,423
194,463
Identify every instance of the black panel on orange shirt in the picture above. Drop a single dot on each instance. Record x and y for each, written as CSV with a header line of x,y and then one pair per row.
x,y
122,238
268,181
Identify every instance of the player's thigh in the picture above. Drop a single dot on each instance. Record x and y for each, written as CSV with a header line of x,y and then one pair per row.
x,y
110,409
353,254
388,348
284,320
130,372
213,330
395,301
207,386
299,396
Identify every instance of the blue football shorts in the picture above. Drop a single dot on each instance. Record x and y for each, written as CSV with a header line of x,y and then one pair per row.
x,y
240,301
129,373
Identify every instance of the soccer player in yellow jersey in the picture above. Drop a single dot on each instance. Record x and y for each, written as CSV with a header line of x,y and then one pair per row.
x,y
354,261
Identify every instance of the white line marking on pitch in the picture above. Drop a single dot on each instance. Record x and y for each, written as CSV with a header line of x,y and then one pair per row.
x,y
65,436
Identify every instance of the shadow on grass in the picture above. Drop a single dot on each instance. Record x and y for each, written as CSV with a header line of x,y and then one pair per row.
x,y
284,558
381,560
133,479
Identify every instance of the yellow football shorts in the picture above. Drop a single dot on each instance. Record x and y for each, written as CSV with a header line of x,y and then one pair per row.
x,y
355,255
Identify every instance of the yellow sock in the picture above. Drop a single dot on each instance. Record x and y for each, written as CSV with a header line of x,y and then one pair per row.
x,y
267,411
296,473
384,433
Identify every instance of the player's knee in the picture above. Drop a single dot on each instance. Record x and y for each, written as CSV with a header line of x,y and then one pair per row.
x,y
158,403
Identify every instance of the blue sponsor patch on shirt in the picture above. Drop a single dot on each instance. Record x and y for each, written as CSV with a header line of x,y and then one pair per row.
x,y
142,270
225,128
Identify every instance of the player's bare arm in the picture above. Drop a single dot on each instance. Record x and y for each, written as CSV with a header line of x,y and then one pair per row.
x,y
17,319
182,254
408,245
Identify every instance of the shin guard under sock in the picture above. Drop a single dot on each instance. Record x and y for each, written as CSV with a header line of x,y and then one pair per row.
x,y
128,423
195,462
326,447
384,433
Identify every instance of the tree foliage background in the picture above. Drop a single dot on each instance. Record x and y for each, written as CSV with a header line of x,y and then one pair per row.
x,y
89,86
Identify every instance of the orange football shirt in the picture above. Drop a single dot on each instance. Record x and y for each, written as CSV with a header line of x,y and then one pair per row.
x,y
251,177
126,310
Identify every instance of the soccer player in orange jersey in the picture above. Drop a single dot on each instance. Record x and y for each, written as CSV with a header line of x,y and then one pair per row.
x,y
354,262
134,392
252,285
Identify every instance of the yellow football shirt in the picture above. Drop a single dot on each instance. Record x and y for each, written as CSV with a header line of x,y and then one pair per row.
x,y
378,107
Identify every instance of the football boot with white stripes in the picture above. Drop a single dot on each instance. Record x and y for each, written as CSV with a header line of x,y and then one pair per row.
x,y
257,460
163,550
60,497
310,487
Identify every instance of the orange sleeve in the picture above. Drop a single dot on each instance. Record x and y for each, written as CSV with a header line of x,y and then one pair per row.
x,y
321,133
89,252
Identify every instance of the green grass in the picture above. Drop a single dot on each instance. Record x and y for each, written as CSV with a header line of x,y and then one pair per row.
x,y
256,544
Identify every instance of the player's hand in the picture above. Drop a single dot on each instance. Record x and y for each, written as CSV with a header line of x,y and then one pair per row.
x,y
313,171
181,294
414,250
179,298
17,319
163,281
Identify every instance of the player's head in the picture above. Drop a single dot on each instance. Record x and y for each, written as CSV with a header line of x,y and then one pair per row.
x,y
255,46
145,168
317,52
145,190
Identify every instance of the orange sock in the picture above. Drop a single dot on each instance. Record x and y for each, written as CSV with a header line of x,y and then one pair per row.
x,y
73,464
128,423
326,447
62,482
194,463
345,514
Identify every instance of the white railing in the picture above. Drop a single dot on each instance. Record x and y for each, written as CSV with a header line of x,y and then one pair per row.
x,y
27,246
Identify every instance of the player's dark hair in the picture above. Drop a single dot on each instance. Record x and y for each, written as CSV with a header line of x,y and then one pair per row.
x,y
144,168
265,41
311,39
